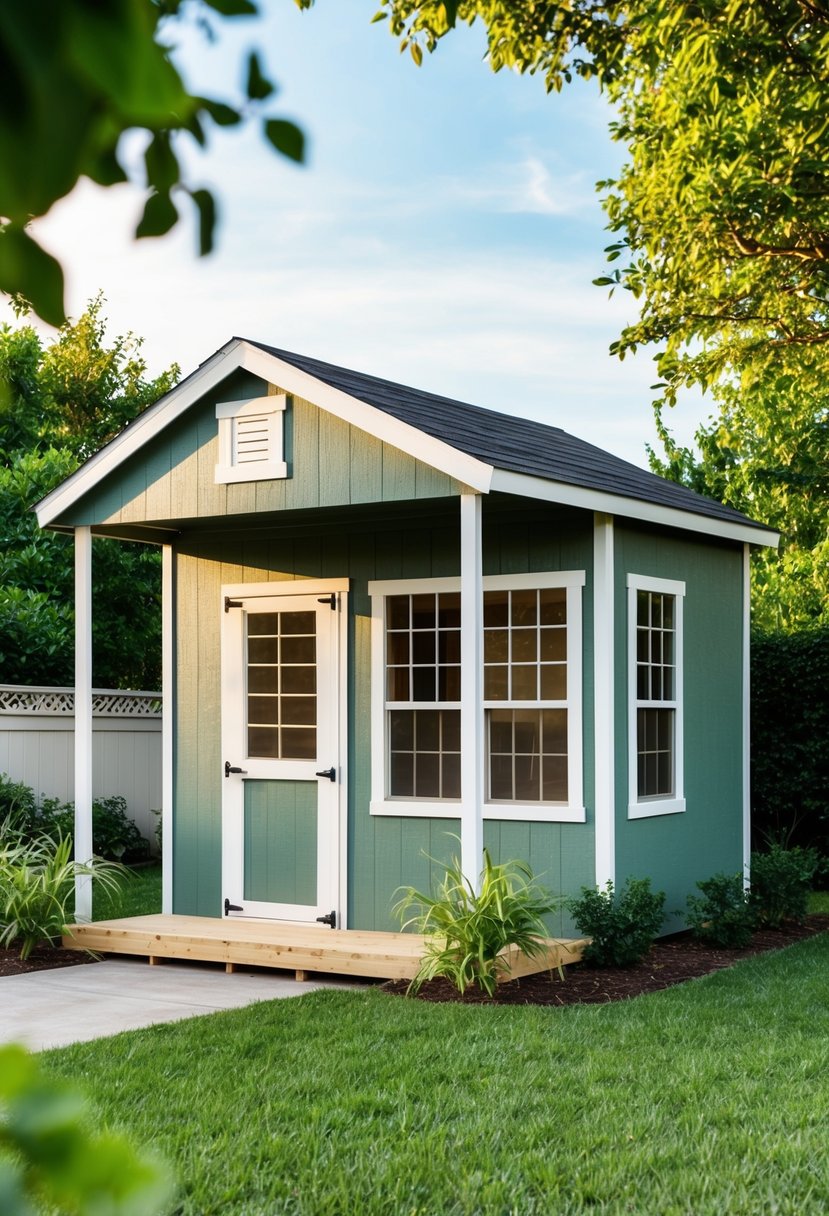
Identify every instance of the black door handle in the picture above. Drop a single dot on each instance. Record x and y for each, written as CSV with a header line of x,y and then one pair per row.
x,y
232,768
330,773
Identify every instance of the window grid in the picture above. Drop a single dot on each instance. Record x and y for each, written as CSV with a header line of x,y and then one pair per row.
x,y
655,694
525,668
422,660
281,685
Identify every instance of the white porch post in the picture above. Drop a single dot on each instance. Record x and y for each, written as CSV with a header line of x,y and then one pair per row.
x,y
472,704
746,714
83,717
168,715
603,686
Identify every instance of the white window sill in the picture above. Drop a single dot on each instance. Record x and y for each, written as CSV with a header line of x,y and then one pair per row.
x,y
659,806
532,813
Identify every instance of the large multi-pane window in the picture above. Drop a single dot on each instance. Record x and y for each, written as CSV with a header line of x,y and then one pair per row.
x,y
525,694
655,620
423,692
531,697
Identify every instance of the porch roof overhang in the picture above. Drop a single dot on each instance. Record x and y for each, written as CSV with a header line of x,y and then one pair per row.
x,y
483,450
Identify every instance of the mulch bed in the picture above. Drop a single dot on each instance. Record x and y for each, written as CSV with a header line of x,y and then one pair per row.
x,y
42,958
669,961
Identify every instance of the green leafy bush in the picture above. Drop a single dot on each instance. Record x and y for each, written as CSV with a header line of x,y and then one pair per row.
x,y
621,925
50,1160
18,805
114,835
723,914
781,880
789,728
37,884
468,931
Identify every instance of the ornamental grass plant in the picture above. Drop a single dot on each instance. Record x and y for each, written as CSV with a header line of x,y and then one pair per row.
x,y
37,885
468,931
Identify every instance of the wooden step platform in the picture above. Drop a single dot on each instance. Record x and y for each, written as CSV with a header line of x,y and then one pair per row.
x,y
302,949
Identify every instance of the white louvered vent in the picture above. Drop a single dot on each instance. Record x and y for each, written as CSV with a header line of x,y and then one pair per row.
x,y
251,439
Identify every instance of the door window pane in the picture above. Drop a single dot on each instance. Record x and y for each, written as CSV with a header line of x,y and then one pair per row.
x,y
281,656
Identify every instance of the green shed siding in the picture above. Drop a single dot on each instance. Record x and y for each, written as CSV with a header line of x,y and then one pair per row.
x,y
675,851
383,852
330,463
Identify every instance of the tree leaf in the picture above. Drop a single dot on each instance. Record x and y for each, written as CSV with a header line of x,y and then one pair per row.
x,y
258,86
160,215
206,205
30,272
234,8
286,137
222,114
161,163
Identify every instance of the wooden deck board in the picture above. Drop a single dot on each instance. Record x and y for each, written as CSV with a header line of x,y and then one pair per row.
x,y
299,948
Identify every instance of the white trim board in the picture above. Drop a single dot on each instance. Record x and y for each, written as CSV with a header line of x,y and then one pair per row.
x,y
631,508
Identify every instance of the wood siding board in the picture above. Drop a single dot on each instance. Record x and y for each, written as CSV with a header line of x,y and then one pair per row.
x,y
398,474
185,827
366,464
303,488
157,498
334,467
184,465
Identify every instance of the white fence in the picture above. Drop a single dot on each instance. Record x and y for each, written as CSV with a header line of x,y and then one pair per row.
x,y
37,746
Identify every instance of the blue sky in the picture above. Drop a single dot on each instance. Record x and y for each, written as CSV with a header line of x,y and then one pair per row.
x,y
444,232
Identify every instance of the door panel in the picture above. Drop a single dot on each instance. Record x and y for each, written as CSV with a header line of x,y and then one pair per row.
x,y
281,842
280,729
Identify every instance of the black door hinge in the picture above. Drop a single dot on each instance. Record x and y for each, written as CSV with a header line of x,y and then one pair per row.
x,y
330,600
229,907
229,603
330,919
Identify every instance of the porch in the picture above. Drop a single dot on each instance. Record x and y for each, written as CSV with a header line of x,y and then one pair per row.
x,y
303,949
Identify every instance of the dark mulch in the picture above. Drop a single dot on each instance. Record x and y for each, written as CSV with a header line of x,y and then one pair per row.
x,y
42,958
670,961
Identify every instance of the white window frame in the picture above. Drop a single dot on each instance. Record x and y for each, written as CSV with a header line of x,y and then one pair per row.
x,y
571,812
228,414
673,804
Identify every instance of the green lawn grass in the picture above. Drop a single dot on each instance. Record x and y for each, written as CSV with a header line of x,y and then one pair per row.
x,y
138,895
709,1098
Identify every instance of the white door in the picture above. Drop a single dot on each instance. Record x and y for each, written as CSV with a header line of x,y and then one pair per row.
x,y
281,775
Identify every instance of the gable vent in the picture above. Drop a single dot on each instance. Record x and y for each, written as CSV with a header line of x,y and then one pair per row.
x,y
251,439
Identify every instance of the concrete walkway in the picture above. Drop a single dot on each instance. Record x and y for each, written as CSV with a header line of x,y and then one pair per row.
x,y
73,1004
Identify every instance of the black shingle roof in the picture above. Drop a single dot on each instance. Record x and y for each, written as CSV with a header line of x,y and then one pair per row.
x,y
518,445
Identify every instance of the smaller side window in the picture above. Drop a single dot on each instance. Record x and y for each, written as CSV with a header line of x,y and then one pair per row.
x,y
251,439
655,705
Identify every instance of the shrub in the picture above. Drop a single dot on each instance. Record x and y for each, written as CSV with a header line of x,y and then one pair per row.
x,y
37,883
18,806
468,931
789,727
621,925
722,915
114,835
781,880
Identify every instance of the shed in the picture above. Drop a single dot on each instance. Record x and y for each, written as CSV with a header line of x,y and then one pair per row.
x,y
392,619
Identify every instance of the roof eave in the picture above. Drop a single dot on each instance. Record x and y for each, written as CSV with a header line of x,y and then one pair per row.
x,y
525,486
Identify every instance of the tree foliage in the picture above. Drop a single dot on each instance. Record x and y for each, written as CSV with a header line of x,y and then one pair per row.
x,y
722,207
75,76
721,223
58,404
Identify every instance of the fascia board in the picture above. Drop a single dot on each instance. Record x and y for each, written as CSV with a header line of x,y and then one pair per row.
x,y
632,508
140,431
438,455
